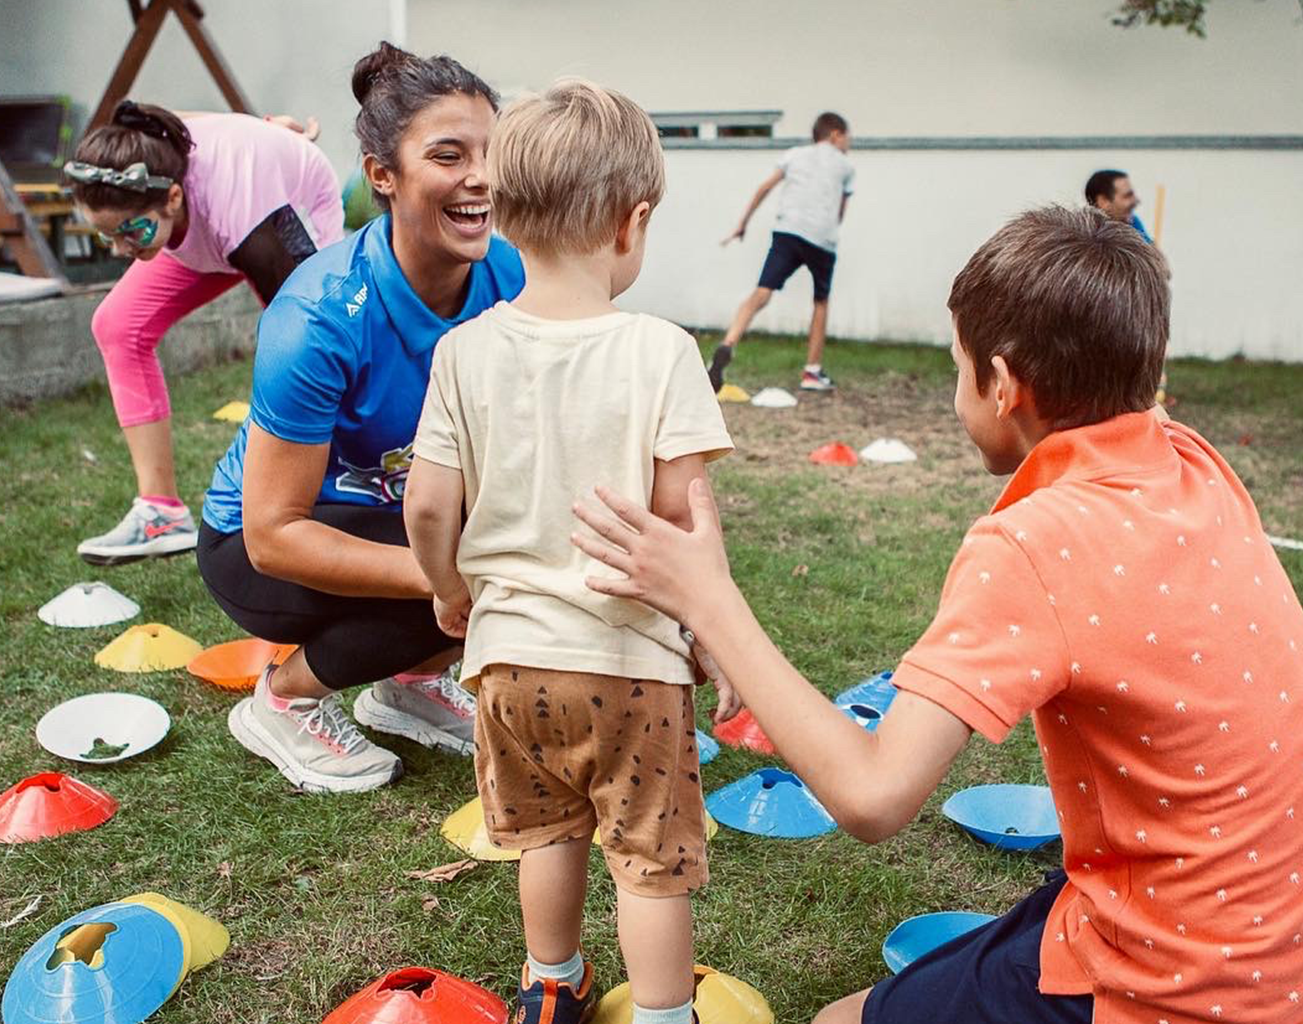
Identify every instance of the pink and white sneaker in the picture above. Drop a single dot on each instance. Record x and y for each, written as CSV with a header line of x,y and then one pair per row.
x,y
434,711
146,531
311,742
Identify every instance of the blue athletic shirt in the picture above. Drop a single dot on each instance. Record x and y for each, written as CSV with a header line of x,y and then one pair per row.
x,y
1139,225
344,356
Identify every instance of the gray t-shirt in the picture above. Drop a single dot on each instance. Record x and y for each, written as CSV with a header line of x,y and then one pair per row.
x,y
815,179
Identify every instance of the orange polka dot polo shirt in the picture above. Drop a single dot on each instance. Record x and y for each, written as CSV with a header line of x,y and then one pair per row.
x,y
1123,592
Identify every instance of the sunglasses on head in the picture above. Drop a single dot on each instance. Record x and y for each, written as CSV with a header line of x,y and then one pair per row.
x,y
137,232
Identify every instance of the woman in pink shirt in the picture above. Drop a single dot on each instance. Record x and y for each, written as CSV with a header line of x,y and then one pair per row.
x,y
199,205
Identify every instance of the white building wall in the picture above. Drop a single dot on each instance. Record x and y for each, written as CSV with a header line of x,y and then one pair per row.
x,y
1233,234
1234,220
1234,230
898,67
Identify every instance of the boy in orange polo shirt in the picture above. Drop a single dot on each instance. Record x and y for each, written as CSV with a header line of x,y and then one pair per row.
x,y
1123,593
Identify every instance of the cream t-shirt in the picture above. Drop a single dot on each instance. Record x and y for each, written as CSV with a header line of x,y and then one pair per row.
x,y
535,413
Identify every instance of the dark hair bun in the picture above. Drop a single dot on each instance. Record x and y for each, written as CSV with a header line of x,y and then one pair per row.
x,y
371,67
156,122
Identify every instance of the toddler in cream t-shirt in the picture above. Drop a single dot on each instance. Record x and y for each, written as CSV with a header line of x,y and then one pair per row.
x,y
585,715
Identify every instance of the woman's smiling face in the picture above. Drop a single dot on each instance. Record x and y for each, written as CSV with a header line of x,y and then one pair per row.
x,y
438,193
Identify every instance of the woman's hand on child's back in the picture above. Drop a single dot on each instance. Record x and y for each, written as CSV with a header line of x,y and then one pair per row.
x,y
681,573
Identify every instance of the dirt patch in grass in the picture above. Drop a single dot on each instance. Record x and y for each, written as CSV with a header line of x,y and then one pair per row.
x,y
777,442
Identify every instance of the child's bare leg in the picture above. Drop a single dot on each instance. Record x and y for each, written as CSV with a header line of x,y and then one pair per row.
x,y
751,305
818,333
656,939
553,882
150,445
845,1011
746,312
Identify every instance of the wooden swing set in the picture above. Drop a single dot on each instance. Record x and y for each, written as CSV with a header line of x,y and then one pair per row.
x,y
19,232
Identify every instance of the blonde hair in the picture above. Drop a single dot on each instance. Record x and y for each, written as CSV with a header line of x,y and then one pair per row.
x,y
566,168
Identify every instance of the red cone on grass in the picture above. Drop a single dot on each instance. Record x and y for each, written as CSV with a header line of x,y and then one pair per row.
x,y
51,804
744,731
835,454
418,995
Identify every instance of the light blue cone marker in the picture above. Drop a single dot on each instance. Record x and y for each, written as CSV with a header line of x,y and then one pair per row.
x,y
918,936
865,717
707,748
875,692
770,802
1012,817
122,963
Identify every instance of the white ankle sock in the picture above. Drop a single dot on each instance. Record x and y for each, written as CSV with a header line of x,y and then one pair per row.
x,y
571,972
813,367
671,1015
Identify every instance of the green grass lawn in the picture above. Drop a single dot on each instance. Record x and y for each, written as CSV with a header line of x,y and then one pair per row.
x,y
843,567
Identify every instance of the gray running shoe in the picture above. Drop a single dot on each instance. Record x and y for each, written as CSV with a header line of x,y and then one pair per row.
x,y
146,531
434,712
313,743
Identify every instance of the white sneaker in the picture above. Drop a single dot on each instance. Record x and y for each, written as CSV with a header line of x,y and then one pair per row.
x,y
312,743
146,531
435,712
816,380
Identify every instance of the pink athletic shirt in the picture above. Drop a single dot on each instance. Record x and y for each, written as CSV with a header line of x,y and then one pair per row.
x,y
242,170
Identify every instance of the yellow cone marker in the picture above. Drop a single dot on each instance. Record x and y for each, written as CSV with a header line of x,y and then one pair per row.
x,y
465,829
203,940
148,648
233,412
733,393
719,999
712,827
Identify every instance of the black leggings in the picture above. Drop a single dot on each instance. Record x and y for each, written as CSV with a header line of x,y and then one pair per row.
x,y
347,640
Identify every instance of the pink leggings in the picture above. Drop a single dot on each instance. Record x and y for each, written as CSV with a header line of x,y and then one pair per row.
x,y
128,325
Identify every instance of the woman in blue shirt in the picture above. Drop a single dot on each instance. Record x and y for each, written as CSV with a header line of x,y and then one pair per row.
x,y
302,538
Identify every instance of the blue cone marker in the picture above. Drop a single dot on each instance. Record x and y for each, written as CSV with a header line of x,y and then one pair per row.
x,y
875,692
770,802
707,747
112,964
1009,816
918,936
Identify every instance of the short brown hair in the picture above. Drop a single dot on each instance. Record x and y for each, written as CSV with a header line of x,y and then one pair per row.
x,y
567,167
827,123
1076,304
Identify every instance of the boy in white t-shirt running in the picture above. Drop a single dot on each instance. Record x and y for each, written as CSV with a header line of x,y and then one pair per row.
x,y
585,712
816,182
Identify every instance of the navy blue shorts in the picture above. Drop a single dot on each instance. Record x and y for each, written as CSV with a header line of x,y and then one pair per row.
x,y
787,253
988,976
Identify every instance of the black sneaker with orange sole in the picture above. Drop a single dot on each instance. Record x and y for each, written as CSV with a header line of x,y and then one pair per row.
x,y
548,1001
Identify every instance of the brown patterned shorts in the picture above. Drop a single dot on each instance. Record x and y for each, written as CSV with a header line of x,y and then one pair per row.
x,y
558,754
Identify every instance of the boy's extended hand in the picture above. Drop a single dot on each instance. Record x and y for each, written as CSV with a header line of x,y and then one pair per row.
x,y
453,615
681,573
738,234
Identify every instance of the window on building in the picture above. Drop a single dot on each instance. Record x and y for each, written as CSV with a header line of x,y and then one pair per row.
x,y
717,124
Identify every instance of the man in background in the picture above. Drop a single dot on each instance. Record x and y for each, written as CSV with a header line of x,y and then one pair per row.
x,y
1111,192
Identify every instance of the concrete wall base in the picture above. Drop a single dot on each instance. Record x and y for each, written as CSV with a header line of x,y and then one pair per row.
x,y
46,348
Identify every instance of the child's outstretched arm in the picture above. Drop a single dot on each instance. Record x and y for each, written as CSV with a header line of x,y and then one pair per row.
x,y
432,507
765,188
873,783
